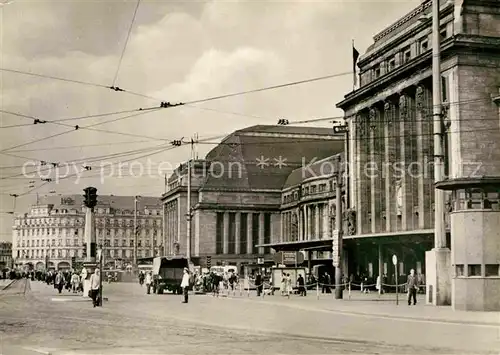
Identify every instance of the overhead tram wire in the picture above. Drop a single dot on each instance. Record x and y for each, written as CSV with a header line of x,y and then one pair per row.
x,y
210,109
126,153
154,153
88,160
125,46
89,127
81,146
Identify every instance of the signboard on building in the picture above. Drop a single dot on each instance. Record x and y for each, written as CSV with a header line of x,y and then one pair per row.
x,y
340,129
260,261
335,248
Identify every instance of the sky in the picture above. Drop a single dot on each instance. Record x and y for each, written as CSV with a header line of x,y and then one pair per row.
x,y
177,51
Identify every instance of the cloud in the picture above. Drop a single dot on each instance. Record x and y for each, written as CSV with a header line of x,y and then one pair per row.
x,y
178,51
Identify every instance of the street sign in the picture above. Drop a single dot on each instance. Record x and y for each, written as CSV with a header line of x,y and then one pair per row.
x,y
340,129
99,254
260,261
394,260
289,257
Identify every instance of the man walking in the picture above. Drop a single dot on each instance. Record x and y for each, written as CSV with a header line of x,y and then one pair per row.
x,y
94,287
185,285
149,280
258,283
413,286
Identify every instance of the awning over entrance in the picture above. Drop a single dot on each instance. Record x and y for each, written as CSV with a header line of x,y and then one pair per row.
x,y
318,244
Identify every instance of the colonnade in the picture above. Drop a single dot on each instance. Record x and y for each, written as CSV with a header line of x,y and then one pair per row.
x,y
391,163
307,222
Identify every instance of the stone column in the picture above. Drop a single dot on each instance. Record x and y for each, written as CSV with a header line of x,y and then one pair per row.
x,y
316,221
225,237
419,98
373,171
237,232
406,143
300,224
249,233
282,238
390,159
309,222
306,224
352,166
364,194
261,232
326,218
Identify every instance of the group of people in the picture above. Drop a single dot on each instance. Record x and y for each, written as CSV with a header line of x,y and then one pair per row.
x,y
69,280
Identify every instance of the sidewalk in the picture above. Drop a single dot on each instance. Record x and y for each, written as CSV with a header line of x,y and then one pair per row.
x,y
373,305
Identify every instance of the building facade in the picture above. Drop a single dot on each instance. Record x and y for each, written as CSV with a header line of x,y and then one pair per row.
x,y
53,231
236,193
391,141
5,255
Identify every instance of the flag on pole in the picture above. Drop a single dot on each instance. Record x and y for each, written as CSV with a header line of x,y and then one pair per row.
x,y
355,56
165,183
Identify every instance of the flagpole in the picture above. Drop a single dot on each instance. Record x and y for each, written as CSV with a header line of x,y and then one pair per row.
x,y
353,70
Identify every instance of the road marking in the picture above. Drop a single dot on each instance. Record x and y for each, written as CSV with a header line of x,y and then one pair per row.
x,y
365,315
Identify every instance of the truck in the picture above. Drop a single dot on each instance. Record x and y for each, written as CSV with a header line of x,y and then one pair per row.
x,y
167,273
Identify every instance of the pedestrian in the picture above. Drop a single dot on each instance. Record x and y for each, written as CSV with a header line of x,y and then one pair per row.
x,y
75,282
258,283
289,287
59,281
378,286
300,284
413,286
185,284
326,283
148,282
141,278
95,280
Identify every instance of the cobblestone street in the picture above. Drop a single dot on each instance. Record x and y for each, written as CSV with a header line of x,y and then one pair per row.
x,y
132,322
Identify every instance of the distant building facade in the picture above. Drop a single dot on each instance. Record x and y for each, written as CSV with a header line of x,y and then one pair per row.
x,y
53,230
239,208
390,125
5,255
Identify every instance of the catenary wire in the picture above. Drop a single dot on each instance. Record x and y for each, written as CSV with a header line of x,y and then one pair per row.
x,y
126,42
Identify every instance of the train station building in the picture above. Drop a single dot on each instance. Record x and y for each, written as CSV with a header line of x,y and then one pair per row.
x,y
391,151
246,195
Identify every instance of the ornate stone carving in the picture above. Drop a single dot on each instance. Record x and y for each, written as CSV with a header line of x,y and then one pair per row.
x,y
373,119
360,125
446,117
403,105
388,112
419,97
349,222
333,214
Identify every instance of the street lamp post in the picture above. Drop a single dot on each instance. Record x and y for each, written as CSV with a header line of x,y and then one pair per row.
x,y
135,231
100,256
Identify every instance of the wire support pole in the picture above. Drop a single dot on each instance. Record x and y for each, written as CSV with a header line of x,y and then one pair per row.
x,y
338,221
135,232
439,195
189,214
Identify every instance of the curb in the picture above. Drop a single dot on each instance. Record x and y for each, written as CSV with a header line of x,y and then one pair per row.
x,y
378,315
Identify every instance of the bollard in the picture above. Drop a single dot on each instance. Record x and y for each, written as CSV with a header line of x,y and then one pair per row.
x,y
349,290
241,290
263,290
317,291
